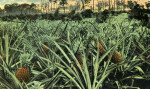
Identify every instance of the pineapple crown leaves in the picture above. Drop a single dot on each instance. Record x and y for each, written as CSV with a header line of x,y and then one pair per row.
x,y
25,58
36,85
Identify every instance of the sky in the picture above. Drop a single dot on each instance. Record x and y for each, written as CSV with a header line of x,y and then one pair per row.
x,y
3,2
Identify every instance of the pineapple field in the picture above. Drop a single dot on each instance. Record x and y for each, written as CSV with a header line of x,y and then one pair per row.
x,y
75,54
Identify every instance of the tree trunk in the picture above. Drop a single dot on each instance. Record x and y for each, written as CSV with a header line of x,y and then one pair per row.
x,y
109,4
93,5
103,4
114,5
117,5
54,6
64,8
123,5
51,7
82,4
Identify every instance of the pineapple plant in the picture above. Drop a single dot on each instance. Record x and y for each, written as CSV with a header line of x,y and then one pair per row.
x,y
116,57
23,72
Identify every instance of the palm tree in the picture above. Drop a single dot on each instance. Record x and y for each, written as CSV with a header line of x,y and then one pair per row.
x,y
46,6
103,4
130,4
51,1
93,5
55,1
77,5
106,4
109,4
85,2
124,5
118,4
99,5
114,4
43,5
63,2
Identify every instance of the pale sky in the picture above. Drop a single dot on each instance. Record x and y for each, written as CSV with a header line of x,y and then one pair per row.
x,y
3,2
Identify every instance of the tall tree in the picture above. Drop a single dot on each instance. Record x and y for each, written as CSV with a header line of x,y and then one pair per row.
x,y
24,8
103,1
114,5
55,1
46,7
15,8
118,4
51,1
32,7
8,8
63,3
106,4
78,5
109,4
130,4
99,6
93,5
43,5
84,2
124,5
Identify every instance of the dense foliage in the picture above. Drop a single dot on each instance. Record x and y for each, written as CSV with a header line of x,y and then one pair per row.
x,y
68,53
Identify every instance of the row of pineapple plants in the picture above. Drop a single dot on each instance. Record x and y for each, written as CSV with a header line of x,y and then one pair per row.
x,y
65,54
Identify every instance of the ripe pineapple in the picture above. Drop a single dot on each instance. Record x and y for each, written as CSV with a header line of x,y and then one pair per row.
x,y
22,74
100,46
3,57
79,58
116,57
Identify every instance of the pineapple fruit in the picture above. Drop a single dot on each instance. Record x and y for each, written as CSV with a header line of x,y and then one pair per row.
x,y
3,57
100,46
22,74
116,57
79,58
